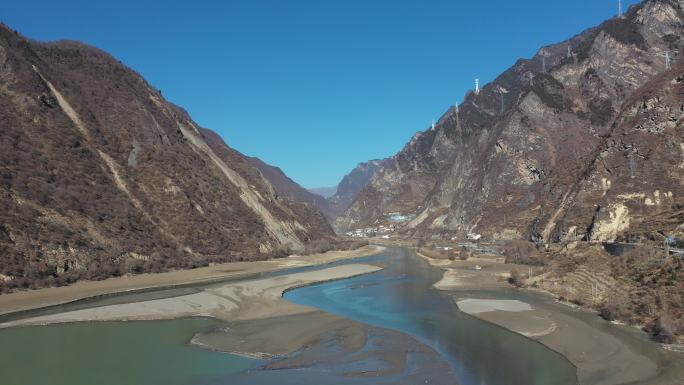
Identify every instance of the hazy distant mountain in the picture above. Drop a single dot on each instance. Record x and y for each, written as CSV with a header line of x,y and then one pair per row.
x,y
582,141
99,175
325,192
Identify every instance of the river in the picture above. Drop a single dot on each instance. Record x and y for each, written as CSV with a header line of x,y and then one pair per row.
x,y
400,298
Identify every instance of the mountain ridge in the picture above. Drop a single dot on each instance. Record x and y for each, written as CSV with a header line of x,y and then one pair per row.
x,y
100,176
501,151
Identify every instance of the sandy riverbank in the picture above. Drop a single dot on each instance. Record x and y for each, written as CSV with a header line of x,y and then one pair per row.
x,y
602,353
259,323
237,301
465,275
33,299
346,347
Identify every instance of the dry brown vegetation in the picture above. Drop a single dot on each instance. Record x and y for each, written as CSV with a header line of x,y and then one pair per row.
x,y
516,279
643,286
523,253
653,295
124,192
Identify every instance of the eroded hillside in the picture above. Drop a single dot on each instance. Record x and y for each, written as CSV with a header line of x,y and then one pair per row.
x,y
100,176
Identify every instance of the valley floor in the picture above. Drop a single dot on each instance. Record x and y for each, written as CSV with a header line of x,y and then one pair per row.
x,y
604,354
259,323
34,299
231,301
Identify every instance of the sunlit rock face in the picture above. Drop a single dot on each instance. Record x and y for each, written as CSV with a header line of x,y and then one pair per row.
x,y
582,141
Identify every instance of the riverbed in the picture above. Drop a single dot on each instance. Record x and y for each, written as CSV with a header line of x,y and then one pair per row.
x,y
390,326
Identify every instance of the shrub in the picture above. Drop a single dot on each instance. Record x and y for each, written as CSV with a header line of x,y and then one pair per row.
x,y
523,253
661,330
516,278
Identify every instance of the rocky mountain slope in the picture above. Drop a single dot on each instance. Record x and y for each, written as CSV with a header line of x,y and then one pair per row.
x,y
333,206
583,141
352,183
291,190
100,176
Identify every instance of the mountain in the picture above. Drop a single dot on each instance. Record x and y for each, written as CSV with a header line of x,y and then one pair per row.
x,y
333,205
325,192
352,183
101,176
582,141
355,181
290,189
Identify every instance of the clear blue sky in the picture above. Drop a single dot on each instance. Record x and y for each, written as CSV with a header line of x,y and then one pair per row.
x,y
312,86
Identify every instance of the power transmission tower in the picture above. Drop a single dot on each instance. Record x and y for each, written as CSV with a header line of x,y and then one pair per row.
x,y
502,101
668,58
458,119
433,124
667,247
619,8
477,86
543,54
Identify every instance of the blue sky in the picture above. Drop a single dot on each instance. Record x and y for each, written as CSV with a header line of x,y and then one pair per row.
x,y
312,86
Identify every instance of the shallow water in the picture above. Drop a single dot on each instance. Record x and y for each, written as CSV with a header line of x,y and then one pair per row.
x,y
113,353
399,298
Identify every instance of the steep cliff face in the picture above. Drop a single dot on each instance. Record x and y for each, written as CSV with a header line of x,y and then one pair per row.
x,y
99,175
542,151
635,185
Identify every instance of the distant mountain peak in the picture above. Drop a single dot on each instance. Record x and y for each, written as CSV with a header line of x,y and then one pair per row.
x,y
325,192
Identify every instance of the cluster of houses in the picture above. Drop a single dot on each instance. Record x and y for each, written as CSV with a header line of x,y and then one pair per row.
x,y
399,217
381,231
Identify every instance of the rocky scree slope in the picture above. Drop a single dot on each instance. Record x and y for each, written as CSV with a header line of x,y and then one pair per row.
x,y
583,141
100,176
